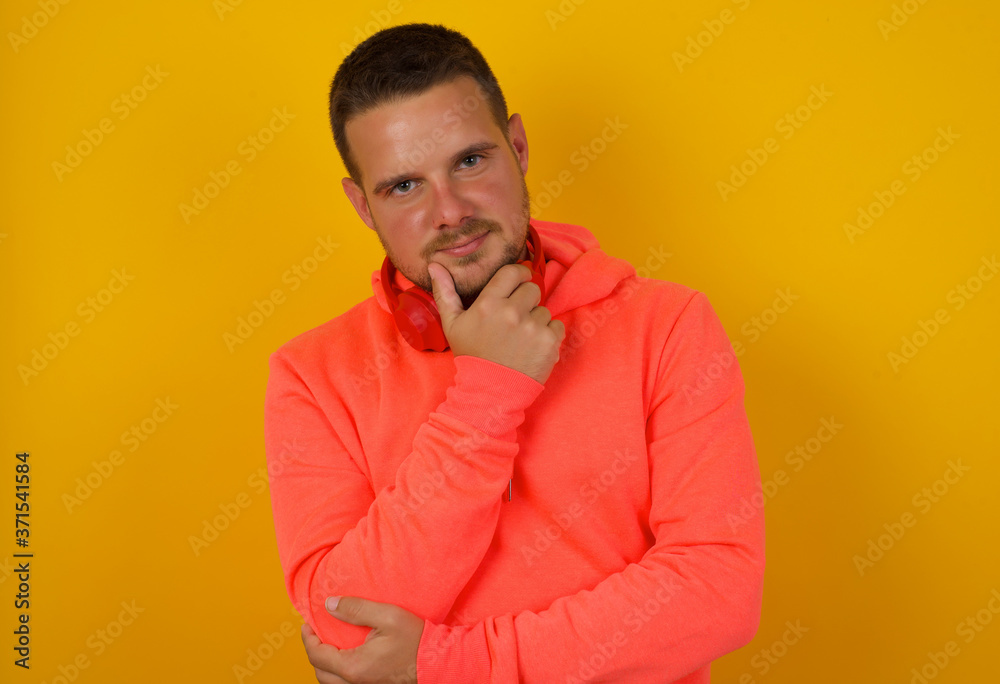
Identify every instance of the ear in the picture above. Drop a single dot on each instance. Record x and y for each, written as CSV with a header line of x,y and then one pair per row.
x,y
358,199
518,140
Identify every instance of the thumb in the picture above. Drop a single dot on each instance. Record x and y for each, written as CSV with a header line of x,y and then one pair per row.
x,y
449,304
354,610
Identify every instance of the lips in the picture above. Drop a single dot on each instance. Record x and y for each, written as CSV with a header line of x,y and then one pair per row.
x,y
466,246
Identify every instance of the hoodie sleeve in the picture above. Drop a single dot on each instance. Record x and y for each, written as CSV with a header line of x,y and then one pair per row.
x,y
417,542
695,595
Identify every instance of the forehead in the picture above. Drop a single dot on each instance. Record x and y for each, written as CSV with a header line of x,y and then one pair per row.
x,y
410,134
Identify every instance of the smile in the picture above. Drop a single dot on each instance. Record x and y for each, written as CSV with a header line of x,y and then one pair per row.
x,y
466,247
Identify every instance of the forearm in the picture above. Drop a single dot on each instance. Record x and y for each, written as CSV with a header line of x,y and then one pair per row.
x,y
417,542
656,621
694,595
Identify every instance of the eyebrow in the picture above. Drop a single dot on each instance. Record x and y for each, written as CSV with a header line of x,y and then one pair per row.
x,y
399,178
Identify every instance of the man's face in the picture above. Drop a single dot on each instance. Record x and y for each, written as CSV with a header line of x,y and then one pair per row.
x,y
441,183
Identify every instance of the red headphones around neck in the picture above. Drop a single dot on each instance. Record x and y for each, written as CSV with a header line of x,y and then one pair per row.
x,y
415,311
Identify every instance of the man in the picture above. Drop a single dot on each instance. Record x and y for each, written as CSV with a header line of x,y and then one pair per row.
x,y
562,494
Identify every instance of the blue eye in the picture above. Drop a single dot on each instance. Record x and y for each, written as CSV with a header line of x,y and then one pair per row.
x,y
402,188
475,157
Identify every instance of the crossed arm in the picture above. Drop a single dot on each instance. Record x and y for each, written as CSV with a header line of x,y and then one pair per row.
x,y
694,596
336,537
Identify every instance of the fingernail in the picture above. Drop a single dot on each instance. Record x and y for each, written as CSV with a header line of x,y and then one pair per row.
x,y
331,603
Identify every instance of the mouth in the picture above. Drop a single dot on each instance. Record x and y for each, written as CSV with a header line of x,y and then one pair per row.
x,y
466,247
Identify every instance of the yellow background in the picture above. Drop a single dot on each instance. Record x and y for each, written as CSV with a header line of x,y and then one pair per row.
x,y
566,67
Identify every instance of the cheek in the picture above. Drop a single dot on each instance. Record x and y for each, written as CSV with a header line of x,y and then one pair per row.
x,y
402,221
501,196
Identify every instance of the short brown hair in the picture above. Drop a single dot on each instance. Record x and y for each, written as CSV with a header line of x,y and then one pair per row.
x,y
403,61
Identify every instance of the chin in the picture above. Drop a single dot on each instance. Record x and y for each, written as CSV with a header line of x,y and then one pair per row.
x,y
469,291
471,288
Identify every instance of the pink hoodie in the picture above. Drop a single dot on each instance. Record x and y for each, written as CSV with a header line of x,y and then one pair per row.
x,y
632,549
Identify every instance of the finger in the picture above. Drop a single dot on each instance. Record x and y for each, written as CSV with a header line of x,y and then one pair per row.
x,y
541,314
309,638
359,611
559,329
527,296
324,677
449,304
506,280
323,657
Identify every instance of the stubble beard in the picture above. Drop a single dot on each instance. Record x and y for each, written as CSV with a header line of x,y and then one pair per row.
x,y
468,291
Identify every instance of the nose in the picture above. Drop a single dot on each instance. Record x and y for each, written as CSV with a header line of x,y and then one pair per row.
x,y
450,207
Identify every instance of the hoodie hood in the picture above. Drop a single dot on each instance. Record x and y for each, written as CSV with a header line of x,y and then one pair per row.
x,y
577,271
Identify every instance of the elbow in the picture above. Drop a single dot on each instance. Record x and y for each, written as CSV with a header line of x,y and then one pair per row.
x,y
745,609
309,584
745,625
738,592
737,625
329,629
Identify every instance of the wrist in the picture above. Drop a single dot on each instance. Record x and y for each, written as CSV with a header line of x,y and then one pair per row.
x,y
489,396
